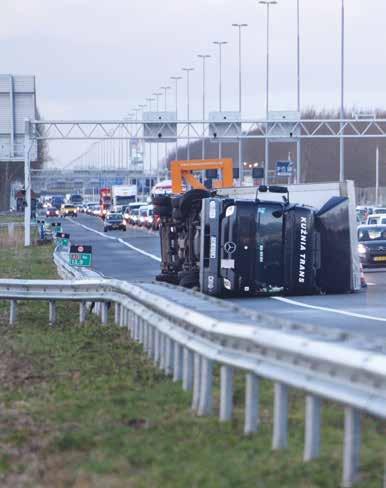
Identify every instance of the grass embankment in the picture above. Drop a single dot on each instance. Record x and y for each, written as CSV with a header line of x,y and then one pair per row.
x,y
4,219
82,407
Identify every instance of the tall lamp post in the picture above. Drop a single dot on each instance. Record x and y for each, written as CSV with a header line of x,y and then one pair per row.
x,y
268,4
298,143
240,27
150,101
176,79
187,71
142,107
203,57
220,44
341,139
166,89
157,95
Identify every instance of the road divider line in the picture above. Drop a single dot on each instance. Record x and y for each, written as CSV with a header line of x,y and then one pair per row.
x,y
330,310
134,248
118,239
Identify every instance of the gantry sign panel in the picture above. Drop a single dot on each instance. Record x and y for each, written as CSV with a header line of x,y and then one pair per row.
x,y
17,103
160,126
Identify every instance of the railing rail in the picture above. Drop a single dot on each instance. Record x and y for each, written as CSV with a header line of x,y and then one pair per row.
x,y
186,344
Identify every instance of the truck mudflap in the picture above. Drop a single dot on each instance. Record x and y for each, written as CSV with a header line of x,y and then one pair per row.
x,y
333,224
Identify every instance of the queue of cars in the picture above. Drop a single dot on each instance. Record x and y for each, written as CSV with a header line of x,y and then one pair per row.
x,y
372,235
138,214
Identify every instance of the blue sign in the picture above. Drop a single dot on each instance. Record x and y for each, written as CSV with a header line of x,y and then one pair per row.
x,y
284,168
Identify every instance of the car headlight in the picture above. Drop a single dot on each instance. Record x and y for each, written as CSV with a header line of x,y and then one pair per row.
x,y
362,249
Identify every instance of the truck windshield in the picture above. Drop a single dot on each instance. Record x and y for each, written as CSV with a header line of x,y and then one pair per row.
x,y
269,241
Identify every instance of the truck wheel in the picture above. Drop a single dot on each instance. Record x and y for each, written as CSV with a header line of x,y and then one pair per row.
x,y
162,201
167,278
187,200
188,279
162,211
177,214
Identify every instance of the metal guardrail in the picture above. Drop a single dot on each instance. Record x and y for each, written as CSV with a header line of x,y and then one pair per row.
x,y
187,344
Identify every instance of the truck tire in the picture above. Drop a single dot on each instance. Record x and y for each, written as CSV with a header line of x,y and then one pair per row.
x,y
188,279
162,211
187,200
167,278
162,201
177,214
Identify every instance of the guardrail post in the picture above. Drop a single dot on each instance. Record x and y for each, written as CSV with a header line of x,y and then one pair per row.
x,y
136,328
104,313
352,446
169,349
280,419
162,352
12,312
145,334
177,369
251,421
205,406
117,315
157,350
52,312
196,382
82,312
312,428
226,393
150,338
187,370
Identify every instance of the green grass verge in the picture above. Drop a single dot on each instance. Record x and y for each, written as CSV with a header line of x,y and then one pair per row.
x,y
11,218
82,406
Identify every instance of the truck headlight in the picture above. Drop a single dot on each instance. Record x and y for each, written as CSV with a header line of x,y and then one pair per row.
x,y
361,249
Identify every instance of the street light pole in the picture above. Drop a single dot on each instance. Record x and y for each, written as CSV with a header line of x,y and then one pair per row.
x,y
157,95
220,44
176,80
150,101
165,89
341,139
204,57
267,3
188,70
142,108
240,26
298,143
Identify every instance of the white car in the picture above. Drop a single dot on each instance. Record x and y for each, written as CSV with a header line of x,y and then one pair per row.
x,y
376,219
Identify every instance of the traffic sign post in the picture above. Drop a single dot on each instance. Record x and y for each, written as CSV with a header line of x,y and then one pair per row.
x,y
284,168
62,239
80,256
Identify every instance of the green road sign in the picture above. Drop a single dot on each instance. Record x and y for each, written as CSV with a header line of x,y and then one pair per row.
x,y
63,242
80,256
80,259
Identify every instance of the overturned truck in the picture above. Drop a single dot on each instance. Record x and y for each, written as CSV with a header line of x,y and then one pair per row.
x,y
230,243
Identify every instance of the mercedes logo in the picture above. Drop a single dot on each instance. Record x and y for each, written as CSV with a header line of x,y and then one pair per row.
x,y
230,247
380,248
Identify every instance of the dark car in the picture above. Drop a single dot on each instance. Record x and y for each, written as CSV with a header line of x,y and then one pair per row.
x,y
114,221
52,212
372,245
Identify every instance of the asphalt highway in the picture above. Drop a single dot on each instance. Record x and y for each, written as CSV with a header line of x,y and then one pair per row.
x,y
134,255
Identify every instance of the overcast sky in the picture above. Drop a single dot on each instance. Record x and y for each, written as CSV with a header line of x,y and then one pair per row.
x,y
98,59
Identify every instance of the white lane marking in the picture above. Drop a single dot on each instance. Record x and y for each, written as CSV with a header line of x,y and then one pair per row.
x,y
134,248
371,284
331,310
148,254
